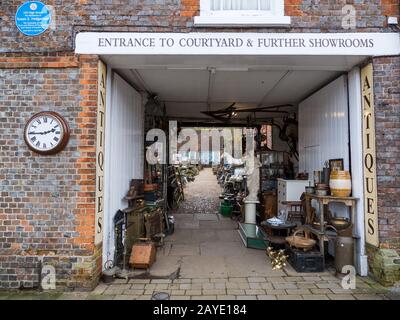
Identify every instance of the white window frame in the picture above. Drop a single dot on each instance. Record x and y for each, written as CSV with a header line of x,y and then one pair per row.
x,y
217,18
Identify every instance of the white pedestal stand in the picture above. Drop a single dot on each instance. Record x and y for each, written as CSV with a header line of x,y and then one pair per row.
x,y
250,211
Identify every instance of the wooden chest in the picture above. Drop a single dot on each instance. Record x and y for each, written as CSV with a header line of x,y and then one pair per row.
x,y
143,255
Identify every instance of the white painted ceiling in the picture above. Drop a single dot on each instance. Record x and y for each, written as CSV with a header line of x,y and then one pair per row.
x,y
189,85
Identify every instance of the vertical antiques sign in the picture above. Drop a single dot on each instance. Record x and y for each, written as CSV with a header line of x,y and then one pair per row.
x,y
101,109
369,157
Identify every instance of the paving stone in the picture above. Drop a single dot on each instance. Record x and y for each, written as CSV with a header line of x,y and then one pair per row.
x,y
298,291
178,292
137,286
161,281
341,291
306,285
327,285
255,285
266,297
207,286
276,279
144,297
174,286
204,297
255,292
315,297
238,280
341,297
232,285
120,281
100,289
226,297
193,292
198,285
293,279
162,286
182,281
311,279
113,291
200,280
149,292
235,292
219,285
289,297
139,281
266,286
320,291
150,286
211,292
219,280
286,285
243,285
125,297
133,292
185,286
246,298
275,292
256,279
179,298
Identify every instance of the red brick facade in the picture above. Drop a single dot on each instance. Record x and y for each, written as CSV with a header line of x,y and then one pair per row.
x,y
47,203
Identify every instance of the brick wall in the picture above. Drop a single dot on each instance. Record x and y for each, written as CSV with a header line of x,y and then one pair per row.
x,y
387,112
175,16
47,202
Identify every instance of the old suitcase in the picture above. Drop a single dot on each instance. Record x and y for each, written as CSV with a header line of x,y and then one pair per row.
x,y
143,254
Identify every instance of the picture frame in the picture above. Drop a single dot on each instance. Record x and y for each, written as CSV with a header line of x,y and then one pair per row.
x,y
336,164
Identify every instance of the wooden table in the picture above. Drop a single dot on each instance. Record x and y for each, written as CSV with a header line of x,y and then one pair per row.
x,y
323,201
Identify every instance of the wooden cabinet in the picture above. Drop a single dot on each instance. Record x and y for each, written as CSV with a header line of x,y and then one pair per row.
x,y
290,190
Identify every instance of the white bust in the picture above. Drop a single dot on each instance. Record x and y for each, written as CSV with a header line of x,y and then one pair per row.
x,y
252,165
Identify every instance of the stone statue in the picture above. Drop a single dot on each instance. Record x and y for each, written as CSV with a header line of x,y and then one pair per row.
x,y
252,166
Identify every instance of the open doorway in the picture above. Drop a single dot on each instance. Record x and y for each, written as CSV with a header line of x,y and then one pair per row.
x,y
299,118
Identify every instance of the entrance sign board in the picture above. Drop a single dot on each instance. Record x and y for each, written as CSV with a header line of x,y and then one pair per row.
x,y
100,156
369,157
362,44
33,18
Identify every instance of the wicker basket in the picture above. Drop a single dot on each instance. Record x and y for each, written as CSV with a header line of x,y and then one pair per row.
x,y
301,242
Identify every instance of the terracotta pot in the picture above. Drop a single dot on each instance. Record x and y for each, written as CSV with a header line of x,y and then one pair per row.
x,y
340,183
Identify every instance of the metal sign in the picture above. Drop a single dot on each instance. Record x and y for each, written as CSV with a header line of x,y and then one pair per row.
x,y
101,112
33,18
369,157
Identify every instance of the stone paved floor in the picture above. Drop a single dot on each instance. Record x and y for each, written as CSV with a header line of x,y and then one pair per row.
x,y
205,259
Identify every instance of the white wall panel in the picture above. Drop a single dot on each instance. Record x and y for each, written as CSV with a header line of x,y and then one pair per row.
x,y
124,152
323,127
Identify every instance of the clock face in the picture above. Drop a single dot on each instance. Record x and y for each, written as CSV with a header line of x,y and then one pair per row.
x,y
45,133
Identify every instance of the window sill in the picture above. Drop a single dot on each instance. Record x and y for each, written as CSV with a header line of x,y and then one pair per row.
x,y
242,21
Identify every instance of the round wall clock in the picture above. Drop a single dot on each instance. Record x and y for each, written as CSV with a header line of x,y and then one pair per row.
x,y
46,133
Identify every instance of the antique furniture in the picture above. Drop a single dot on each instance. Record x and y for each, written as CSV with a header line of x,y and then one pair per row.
x,y
290,190
322,233
269,204
276,233
295,211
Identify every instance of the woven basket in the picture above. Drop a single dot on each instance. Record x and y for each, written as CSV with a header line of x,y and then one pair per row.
x,y
301,242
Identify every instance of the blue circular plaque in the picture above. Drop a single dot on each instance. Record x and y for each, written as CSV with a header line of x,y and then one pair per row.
x,y
33,18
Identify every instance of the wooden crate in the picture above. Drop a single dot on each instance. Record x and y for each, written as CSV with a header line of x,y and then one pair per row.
x,y
143,255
